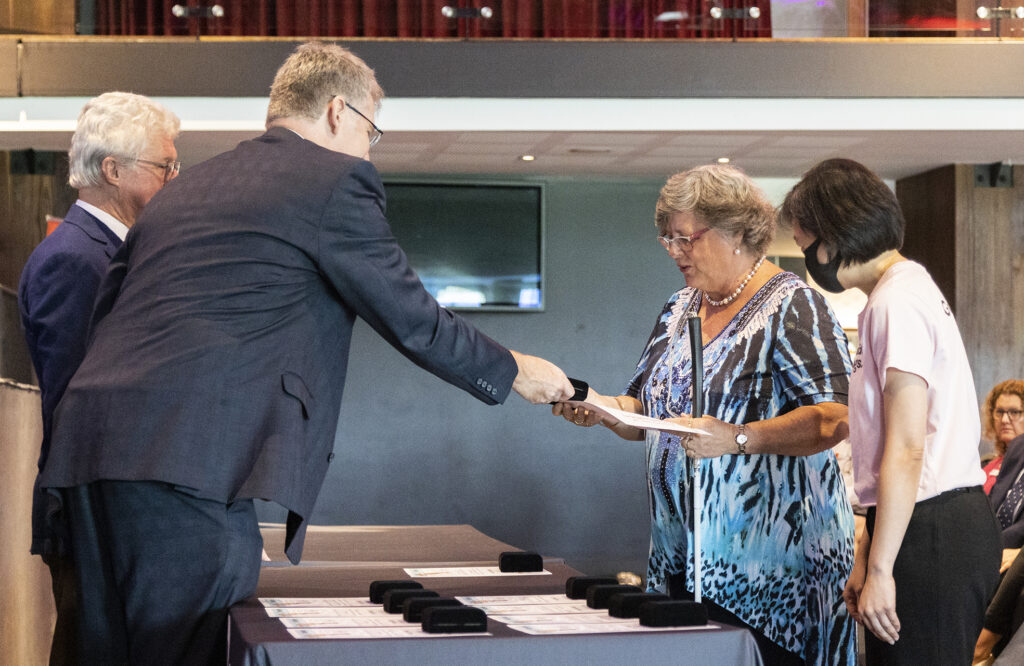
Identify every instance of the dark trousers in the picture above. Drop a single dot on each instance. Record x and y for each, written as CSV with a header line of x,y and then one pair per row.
x,y
156,570
772,654
65,600
945,573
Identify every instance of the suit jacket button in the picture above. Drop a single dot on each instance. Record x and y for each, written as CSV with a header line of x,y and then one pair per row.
x,y
330,456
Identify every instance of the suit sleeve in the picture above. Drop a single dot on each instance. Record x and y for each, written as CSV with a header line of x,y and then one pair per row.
x,y
56,312
1013,536
999,616
360,258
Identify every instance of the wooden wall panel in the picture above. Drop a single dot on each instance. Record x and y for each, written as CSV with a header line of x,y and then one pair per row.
x,y
971,239
990,269
47,17
25,201
928,202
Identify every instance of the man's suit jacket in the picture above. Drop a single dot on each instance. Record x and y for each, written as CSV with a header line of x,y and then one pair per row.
x,y
55,298
1013,463
222,330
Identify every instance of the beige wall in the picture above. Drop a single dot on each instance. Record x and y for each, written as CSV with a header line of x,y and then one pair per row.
x,y
26,603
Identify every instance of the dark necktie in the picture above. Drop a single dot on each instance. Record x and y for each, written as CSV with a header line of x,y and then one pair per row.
x,y
1009,506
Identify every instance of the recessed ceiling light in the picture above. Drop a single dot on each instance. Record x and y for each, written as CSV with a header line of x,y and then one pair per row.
x,y
723,160
527,158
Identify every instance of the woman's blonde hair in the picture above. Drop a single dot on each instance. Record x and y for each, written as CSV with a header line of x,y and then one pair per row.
x,y
723,198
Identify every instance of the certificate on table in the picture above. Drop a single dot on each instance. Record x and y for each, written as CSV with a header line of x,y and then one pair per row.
x,y
466,572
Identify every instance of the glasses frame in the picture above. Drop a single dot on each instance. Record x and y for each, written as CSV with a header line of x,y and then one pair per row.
x,y
377,132
685,242
171,168
999,413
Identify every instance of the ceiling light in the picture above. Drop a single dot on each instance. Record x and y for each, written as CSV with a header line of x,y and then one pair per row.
x,y
527,158
723,160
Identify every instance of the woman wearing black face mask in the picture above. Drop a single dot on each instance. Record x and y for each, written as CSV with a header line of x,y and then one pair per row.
x,y
928,561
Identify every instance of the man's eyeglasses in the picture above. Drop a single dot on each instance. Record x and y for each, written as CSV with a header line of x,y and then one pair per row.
x,y
1014,414
376,133
171,169
682,242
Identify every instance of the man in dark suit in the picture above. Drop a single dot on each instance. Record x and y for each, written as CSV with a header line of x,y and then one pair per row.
x,y
119,157
1007,495
218,357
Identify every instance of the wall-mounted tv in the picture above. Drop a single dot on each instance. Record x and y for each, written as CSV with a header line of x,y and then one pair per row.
x,y
475,245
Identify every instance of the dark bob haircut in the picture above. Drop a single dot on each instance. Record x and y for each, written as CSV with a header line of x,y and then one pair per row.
x,y
849,208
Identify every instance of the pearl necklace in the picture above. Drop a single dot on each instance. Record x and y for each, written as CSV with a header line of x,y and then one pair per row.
x,y
732,297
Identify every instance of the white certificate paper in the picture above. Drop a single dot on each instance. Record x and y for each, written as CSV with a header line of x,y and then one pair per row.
x,y
641,421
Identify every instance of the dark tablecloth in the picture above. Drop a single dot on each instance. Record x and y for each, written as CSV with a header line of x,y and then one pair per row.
x,y
343,561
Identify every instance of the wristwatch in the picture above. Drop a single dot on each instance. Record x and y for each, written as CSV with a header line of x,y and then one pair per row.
x,y
741,439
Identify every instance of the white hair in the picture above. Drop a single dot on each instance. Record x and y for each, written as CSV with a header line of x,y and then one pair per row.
x,y
119,124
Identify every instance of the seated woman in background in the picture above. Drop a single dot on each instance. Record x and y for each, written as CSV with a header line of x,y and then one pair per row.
x,y
1002,419
777,527
927,563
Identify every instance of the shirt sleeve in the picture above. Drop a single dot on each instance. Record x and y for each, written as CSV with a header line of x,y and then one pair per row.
x,y
901,338
811,357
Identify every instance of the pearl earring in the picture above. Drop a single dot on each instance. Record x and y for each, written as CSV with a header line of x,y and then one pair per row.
x,y
736,251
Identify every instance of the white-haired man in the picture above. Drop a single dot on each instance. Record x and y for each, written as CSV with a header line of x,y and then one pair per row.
x,y
122,152
230,308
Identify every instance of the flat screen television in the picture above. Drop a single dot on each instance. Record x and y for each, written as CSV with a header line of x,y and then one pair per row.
x,y
475,245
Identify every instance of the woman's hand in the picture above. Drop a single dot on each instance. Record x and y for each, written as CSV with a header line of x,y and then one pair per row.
x,y
574,413
579,414
983,649
851,593
721,441
1009,555
877,607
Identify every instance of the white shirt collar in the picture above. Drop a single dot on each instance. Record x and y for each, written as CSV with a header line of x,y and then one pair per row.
x,y
114,224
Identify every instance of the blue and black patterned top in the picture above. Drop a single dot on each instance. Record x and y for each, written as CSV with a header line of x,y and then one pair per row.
x,y
776,531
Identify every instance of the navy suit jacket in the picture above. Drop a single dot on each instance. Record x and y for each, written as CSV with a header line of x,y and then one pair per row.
x,y
55,298
222,330
1013,462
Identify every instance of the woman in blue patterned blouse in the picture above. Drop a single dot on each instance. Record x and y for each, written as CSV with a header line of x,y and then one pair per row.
x,y
777,529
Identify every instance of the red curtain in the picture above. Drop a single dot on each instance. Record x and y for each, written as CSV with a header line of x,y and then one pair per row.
x,y
630,19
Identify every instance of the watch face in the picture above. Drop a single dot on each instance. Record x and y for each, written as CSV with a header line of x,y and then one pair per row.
x,y
741,438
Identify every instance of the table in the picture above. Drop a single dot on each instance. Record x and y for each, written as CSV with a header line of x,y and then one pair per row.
x,y
378,553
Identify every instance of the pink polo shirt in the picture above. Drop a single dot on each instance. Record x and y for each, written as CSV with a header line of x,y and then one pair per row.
x,y
907,325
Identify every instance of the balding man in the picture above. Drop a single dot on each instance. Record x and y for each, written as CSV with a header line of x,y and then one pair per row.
x,y
122,152
218,359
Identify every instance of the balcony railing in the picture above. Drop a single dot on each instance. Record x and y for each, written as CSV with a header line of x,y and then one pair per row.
x,y
521,19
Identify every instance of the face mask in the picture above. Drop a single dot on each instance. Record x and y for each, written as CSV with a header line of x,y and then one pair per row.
x,y
826,275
